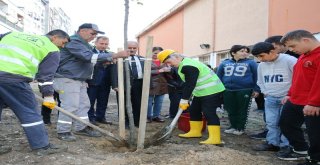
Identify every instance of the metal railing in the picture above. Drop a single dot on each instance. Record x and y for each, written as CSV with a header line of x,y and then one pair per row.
x,y
9,23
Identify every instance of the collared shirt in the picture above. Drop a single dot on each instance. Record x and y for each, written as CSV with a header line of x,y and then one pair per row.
x,y
136,60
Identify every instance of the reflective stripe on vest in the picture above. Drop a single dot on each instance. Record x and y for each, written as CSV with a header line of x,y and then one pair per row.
x,y
211,84
207,83
21,52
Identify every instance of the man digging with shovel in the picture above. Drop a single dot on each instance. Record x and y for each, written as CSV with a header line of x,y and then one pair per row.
x,y
23,58
207,90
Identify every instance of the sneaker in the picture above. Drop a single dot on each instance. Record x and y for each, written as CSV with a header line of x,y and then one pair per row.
x,y
167,116
230,130
50,149
310,162
4,149
260,136
66,136
238,132
266,147
88,132
290,154
158,119
284,150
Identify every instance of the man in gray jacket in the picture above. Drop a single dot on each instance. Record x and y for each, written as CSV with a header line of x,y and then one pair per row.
x,y
76,66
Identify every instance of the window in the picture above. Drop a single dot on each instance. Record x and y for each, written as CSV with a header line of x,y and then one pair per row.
x,y
205,59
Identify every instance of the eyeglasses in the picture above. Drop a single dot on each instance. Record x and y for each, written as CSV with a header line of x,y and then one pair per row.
x,y
93,34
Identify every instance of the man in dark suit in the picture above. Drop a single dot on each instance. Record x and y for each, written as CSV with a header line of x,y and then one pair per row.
x,y
99,85
136,63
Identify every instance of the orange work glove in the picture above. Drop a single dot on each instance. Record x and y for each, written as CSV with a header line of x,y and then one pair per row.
x,y
49,102
183,104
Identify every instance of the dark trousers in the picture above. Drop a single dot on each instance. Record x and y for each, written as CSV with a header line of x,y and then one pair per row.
x,y
1,107
290,123
99,93
313,130
125,108
207,105
21,100
46,112
174,97
260,101
237,103
136,93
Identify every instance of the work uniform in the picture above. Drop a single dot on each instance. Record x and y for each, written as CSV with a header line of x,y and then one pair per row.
x,y
207,89
76,66
25,57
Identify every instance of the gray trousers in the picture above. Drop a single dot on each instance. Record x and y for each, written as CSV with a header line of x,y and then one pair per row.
x,y
74,99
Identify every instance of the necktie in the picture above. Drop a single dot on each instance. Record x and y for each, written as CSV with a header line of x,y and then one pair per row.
x,y
134,70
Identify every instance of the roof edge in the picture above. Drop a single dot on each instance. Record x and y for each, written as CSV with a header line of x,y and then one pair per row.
x,y
176,8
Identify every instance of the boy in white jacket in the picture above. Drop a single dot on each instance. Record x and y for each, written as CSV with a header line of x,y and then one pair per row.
x,y
274,80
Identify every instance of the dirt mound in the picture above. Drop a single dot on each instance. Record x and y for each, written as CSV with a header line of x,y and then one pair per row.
x,y
99,151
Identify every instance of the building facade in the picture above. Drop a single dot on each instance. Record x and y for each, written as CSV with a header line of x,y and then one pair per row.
x,y
32,16
206,29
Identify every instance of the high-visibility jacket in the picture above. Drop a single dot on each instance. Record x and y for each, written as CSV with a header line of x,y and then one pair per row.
x,y
207,83
22,53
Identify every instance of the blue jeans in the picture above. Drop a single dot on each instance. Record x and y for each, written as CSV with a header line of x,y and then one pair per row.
x,y
273,108
155,104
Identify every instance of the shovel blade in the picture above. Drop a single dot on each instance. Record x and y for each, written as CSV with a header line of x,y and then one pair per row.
x,y
162,135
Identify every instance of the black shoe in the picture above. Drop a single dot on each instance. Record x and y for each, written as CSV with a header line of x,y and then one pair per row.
x,y
158,119
88,132
289,154
266,147
310,162
47,123
94,122
4,149
260,136
103,121
66,136
50,149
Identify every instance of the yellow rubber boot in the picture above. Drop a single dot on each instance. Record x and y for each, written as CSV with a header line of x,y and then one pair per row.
x,y
195,130
214,135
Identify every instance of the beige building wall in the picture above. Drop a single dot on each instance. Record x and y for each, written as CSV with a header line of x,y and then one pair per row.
x,y
198,27
288,15
168,34
240,22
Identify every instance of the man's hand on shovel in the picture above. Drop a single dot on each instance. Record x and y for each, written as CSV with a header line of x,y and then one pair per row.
x,y
49,102
184,104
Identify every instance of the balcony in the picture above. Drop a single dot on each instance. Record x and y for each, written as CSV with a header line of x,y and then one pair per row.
x,y
10,24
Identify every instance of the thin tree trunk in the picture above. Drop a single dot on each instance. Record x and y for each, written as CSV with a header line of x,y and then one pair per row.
x,y
127,78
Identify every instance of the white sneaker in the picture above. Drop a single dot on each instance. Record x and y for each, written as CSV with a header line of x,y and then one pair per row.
x,y
230,130
238,132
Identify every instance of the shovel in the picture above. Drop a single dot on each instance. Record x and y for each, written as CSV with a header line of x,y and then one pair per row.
x,y
164,134
117,141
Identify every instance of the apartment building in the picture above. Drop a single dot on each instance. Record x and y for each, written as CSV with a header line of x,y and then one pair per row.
x,y
32,16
